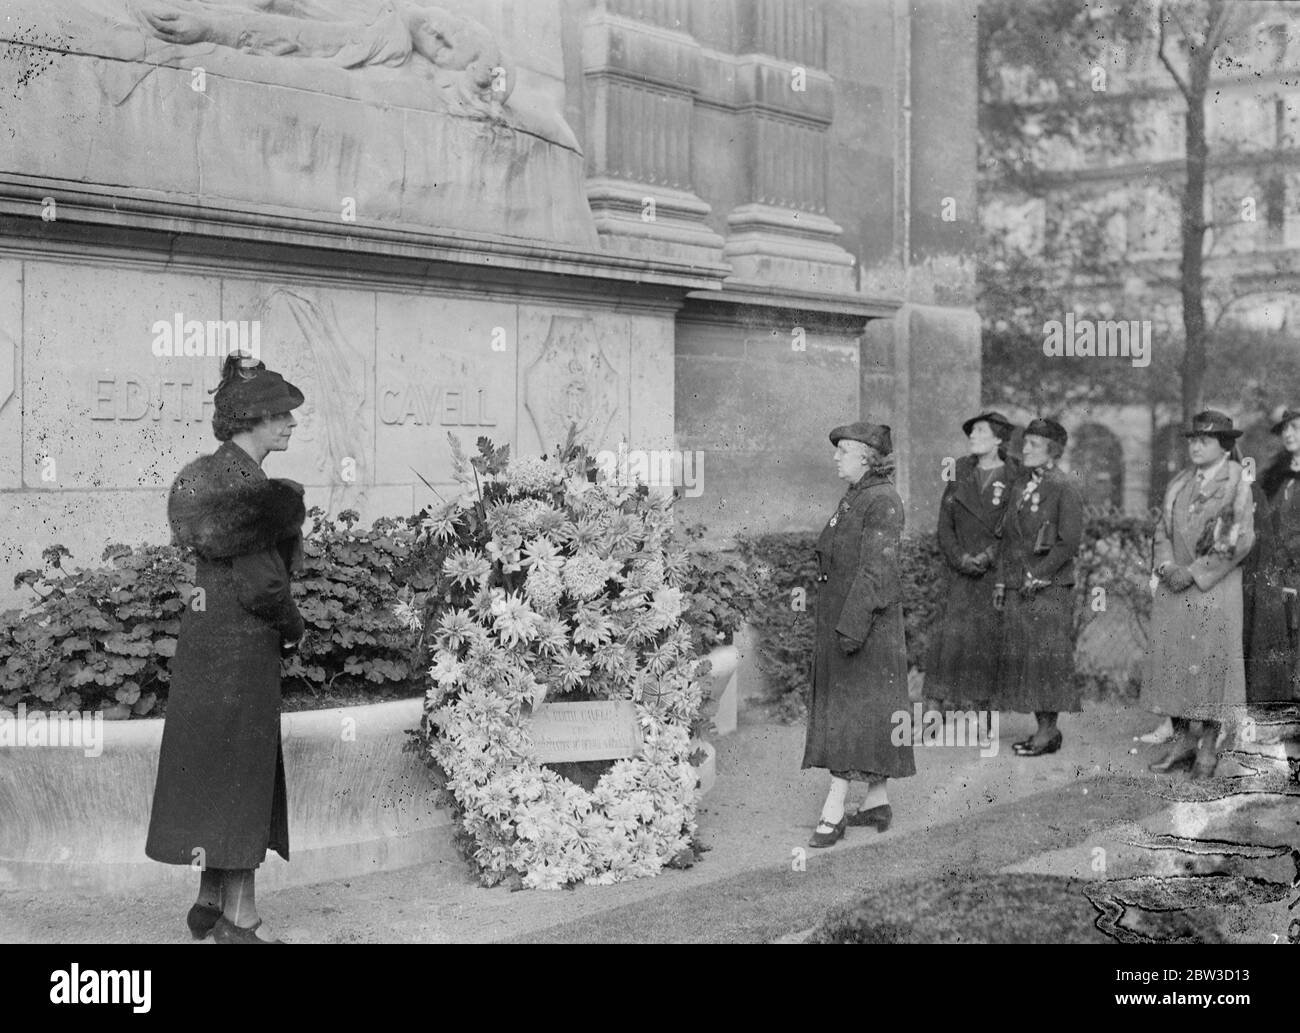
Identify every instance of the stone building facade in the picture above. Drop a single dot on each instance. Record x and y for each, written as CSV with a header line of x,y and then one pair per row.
x,y
720,226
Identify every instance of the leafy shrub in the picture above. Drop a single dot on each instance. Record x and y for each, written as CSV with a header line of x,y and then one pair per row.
x,y
924,576
102,638
1115,555
720,590
99,638
1110,625
783,611
344,594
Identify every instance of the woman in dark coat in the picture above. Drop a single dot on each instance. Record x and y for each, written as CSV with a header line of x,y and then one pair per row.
x,y
961,666
1195,672
1271,574
1035,587
220,797
859,669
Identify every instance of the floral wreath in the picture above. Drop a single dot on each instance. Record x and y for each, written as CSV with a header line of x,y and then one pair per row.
x,y
549,584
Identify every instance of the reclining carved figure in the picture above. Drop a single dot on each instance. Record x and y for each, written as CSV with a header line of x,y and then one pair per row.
x,y
461,53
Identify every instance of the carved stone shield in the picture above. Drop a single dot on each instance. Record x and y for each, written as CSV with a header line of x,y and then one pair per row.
x,y
571,382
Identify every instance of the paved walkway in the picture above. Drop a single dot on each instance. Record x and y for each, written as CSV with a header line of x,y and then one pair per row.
x,y
962,816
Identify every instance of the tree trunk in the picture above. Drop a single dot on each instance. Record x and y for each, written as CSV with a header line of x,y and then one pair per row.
x,y
1193,232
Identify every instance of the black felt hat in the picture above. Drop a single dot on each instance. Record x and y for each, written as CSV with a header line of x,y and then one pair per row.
x,y
1213,423
1049,429
874,434
998,423
252,392
1287,417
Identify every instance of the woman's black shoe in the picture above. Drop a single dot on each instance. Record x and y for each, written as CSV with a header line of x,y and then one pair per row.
x,y
879,817
201,919
1179,754
225,931
836,833
1030,750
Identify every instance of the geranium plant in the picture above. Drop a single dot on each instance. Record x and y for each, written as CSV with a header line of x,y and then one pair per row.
x,y
552,585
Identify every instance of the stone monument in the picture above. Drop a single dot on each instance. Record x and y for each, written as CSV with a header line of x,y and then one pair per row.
x,y
712,226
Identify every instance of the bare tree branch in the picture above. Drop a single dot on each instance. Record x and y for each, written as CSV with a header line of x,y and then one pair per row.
x,y
1183,88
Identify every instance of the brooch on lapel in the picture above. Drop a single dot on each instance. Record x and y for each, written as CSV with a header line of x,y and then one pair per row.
x,y
836,518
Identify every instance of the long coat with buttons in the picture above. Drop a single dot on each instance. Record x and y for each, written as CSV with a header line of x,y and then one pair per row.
x,y
1040,536
220,797
1272,566
962,658
856,699
1194,662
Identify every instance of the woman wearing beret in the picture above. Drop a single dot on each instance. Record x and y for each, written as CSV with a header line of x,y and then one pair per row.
x,y
220,799
1194,666
1271,574
859,669
962,660
1035,589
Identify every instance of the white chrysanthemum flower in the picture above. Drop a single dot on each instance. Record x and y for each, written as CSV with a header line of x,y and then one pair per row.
x,y
448,671
572,668
544,553
667,603
442,527
527,475
514,620
543,589
408,615
466,568
455,628
585,575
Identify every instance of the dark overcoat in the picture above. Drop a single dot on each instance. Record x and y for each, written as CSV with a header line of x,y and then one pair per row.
x,y
1041,536
1194,666
1272,566
855,698
220,796
961,664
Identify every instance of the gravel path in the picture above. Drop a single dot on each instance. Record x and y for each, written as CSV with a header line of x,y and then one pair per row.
x,y
963,817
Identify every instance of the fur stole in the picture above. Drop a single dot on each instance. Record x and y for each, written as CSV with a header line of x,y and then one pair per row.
x,y
222,505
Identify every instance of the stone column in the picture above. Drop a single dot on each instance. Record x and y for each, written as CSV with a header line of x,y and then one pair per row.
x,y
938,330
641,73
785,101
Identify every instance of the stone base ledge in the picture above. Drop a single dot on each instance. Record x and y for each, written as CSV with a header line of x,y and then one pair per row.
x,y
358,803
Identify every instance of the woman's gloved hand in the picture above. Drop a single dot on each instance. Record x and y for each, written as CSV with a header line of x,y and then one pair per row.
x,y
848,646
1178,579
